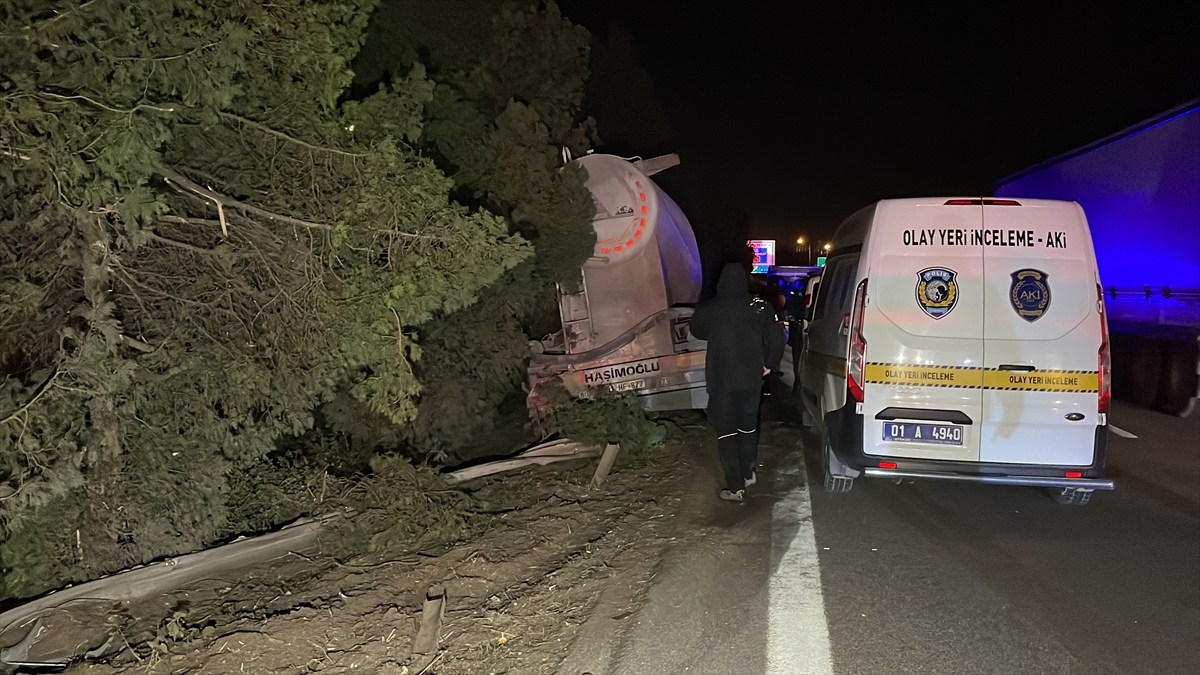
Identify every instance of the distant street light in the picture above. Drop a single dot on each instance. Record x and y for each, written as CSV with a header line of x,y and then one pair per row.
x,y
807,248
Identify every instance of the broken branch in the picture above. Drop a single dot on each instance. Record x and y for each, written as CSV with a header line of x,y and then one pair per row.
x,y
134,343
179,244
279,134
188,185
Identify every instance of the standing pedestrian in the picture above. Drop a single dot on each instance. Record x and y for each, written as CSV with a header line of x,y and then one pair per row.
x,y
745,343
794,311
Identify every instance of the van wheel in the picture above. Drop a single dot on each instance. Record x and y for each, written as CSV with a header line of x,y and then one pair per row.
x,y
834,483
1073,496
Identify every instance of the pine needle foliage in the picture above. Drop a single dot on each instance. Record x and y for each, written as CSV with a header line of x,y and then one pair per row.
x,y
507,102
199,244
600,418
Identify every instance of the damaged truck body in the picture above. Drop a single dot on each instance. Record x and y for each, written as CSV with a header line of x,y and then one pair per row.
x,y
625,323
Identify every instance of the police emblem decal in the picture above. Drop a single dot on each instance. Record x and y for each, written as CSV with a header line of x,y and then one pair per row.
x,y
937,291
1030,293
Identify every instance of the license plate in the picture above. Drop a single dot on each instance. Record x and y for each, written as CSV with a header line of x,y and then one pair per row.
x,y
629,386
911,432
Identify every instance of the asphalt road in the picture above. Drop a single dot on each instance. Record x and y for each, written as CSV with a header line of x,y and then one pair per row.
x,y
929,577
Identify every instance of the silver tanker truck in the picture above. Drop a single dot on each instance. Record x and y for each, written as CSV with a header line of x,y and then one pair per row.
x,y
625,324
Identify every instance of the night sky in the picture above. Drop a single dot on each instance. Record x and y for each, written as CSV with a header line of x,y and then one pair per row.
x,y
799,113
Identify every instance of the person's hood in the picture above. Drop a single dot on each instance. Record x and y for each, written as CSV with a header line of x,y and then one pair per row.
x,y
733,282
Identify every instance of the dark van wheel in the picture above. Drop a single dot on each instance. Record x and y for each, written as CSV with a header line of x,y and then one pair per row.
x,y
834,483
1073,496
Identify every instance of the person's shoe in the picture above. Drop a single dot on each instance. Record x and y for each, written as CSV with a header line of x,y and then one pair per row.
x,y
752,479
731,496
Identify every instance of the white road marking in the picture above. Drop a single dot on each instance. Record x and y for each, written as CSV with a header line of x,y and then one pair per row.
x,y
1120,432
797,633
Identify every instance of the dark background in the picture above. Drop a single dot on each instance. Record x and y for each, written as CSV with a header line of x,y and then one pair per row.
x,y
789,116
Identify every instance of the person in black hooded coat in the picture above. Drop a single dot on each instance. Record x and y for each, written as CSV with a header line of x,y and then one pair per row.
x,y
745,342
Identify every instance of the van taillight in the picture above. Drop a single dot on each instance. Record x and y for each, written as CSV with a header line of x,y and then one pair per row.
x,y
856,357
1105,360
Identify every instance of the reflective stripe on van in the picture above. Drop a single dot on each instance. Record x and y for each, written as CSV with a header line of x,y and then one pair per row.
x,y
967,377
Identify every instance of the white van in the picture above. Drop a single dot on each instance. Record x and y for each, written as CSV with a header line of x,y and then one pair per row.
x,y
961,339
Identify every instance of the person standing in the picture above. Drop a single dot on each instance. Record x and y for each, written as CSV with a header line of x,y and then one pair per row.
x,y
794,311
745,342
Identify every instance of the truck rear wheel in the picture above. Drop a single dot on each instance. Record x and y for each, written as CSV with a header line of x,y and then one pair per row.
x,y
1147,359
1178,383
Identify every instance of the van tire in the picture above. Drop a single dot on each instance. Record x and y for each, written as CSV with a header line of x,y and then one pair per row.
x,y
834,483
1073,496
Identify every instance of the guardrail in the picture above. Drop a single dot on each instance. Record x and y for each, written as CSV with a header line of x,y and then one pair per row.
x,y
1153,293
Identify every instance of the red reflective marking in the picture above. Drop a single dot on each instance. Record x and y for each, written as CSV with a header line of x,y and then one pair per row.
x,y
643,223
606,250
629,243
618,249
637,234
1074,474
642,195
887,465
645,209
638,183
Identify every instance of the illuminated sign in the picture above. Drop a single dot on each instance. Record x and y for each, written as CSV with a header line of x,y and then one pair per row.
x,y
820,261
764,254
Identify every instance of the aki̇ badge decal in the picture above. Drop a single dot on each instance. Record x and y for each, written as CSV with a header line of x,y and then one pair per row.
x,y
1030,293
937,291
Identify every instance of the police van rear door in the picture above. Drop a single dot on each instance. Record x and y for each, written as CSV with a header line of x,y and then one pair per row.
x,y
923,326
1041,334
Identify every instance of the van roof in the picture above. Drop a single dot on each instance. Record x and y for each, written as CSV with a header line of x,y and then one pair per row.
x,y
853,230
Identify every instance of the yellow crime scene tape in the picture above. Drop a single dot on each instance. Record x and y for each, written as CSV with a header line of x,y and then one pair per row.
x,y
966,377
930,376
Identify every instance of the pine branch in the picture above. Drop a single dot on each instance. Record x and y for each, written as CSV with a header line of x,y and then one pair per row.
x,y
42,390
178,244
159,59
279,134
134,343
179,180
26,30
180,220
98,104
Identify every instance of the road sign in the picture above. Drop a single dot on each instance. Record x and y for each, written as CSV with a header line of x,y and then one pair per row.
x,y
764,254
820,261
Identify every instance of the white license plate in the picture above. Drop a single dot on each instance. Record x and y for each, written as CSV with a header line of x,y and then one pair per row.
x,y
629,386
911,432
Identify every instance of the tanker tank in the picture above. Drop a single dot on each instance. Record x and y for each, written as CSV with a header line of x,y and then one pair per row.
x,y
625,323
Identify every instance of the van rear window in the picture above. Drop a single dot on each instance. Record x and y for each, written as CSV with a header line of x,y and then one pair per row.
x,y
837,284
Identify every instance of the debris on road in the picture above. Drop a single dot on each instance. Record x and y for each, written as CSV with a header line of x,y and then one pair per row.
x,y
540,455
548,553
55,629
606,463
